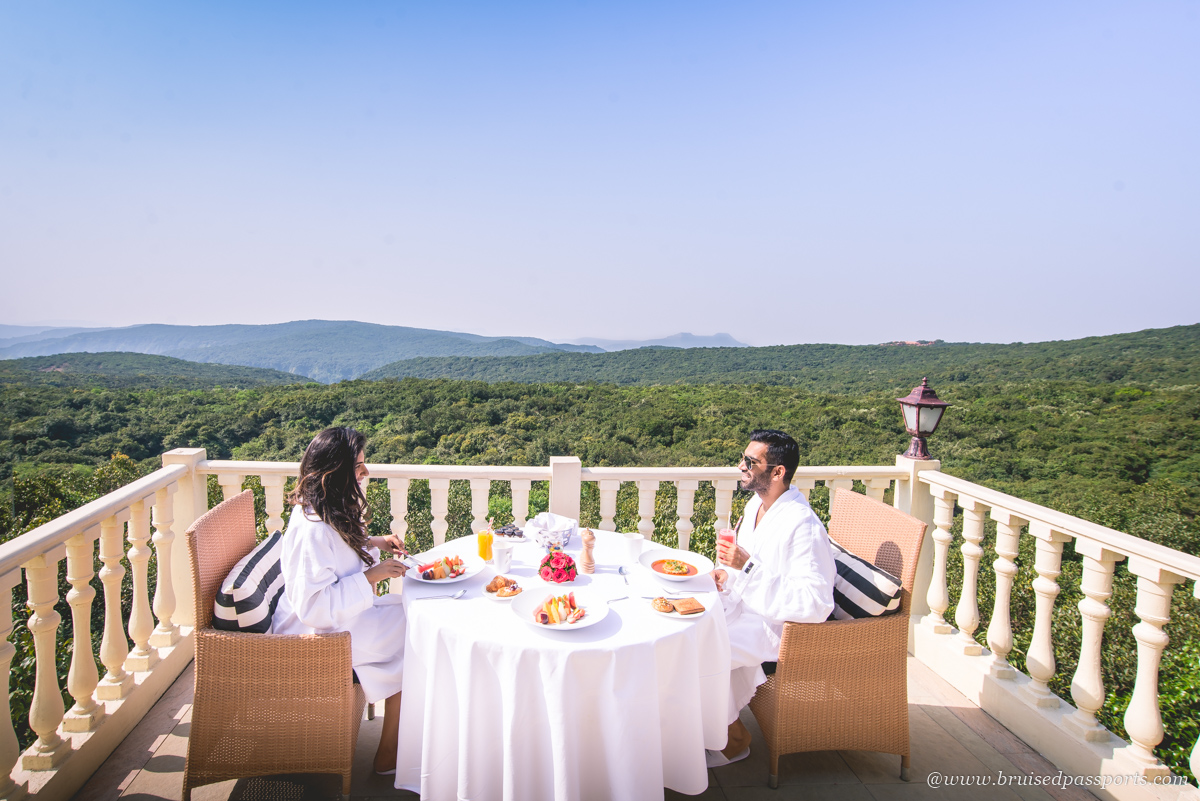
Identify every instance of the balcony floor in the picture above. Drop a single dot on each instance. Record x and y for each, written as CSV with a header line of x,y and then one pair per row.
x,y
950,735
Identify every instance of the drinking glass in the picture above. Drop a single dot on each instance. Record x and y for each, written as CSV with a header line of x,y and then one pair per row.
x,y
726,535
485,545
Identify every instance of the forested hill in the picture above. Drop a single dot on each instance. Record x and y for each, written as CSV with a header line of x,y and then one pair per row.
x,y
120,370
1155,357
326,350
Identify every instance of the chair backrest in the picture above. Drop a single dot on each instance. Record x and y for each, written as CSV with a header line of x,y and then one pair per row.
x,y
216,541
881,534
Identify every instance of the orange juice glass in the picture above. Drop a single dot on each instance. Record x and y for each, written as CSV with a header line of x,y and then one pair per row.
x,y
485,545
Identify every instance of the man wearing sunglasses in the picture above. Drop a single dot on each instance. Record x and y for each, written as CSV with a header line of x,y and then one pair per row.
x,y
780,569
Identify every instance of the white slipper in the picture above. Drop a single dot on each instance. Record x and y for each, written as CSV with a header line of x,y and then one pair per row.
x,y
391,772
716,759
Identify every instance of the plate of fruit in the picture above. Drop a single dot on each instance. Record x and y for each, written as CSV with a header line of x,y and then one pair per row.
x,y
566,612
444,570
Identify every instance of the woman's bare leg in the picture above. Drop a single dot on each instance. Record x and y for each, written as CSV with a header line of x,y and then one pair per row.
x,y
389,738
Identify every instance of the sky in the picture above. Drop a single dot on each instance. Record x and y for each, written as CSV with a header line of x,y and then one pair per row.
x,y
785,172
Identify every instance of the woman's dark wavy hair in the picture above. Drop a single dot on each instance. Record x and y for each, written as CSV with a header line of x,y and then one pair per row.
x,y
327,486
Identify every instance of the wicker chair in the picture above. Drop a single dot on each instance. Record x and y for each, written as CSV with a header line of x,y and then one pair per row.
x,y
843,685
265,704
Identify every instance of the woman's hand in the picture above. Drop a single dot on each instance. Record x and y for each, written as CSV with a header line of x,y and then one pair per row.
x,y
386,569
390,543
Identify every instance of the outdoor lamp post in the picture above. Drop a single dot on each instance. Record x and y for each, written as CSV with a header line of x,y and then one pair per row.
x,y
922,413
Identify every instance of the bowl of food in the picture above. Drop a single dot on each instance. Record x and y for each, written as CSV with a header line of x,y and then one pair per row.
x,y
674,565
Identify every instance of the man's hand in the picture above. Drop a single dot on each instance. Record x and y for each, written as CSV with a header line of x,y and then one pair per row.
x,y
720,577
390,543
732,554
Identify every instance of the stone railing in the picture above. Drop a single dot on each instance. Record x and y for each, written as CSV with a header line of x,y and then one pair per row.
x,y
72,743
1070,736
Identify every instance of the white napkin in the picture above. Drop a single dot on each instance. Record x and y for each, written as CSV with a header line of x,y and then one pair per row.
x,y
547,527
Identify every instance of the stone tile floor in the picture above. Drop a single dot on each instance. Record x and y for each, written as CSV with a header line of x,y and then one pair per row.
x,y
950,735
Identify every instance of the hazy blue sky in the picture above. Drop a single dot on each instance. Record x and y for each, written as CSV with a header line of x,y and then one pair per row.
x,y
784,171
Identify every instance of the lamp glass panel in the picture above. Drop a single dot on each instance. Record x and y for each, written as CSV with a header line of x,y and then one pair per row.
x,y
910,418
930,416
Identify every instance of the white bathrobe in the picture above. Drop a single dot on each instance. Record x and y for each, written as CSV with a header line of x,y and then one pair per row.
x,y
788,578
325,589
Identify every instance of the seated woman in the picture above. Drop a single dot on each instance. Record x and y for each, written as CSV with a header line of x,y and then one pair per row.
x,y
331,568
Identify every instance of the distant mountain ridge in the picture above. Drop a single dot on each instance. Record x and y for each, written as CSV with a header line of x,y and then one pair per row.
x,y
682,340
326,350
1157,356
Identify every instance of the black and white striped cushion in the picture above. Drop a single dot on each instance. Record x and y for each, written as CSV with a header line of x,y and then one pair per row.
x,y
861,589
249,594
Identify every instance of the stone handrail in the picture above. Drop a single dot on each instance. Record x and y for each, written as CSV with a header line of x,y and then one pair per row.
x,y
1158,570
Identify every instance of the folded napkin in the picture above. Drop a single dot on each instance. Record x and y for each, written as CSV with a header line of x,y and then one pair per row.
x,y
551,529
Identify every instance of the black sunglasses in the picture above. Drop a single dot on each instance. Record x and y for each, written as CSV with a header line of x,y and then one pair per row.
x,y
752,463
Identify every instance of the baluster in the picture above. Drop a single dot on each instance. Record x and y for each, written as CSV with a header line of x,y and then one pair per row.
x,y
805,485
646,492
684,508
520,500
231,484
999,634
835,484
142,658
1039,660
1143,721
439,504
876,487
113,645
1087,687
938,596
723,491
273,491
166,633
608,503
480,488
398,490
46,711
82,677
1194,762
10,749
966,615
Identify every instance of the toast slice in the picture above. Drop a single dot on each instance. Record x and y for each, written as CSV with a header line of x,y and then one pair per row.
x,y
687,606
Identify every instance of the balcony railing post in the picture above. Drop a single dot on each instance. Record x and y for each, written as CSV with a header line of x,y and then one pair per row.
x,y
82,677
47,709
938,597
230,483
876,487
724,488
188,503
1039,659
966,614
113,645
566,482
439,506
803,485
646,492
481,488
1143,720
608,503
999,633
166,633
520,499
272,485
912,496
10,749
1087,686
685,505
398,493
141,626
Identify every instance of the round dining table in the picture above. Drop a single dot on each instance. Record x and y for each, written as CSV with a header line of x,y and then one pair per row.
x,y
497,707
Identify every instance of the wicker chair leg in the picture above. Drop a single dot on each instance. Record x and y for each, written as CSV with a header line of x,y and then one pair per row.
x,y
905,761
773,781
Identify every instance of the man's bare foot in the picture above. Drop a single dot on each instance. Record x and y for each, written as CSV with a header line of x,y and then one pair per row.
x,y
739,739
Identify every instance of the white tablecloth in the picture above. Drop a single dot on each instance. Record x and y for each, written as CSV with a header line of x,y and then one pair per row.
x,y
494,708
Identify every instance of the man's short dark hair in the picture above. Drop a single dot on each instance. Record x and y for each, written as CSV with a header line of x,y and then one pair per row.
x,y
781,449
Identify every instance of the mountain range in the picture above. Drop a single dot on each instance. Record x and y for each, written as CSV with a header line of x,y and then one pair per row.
x,y
323,350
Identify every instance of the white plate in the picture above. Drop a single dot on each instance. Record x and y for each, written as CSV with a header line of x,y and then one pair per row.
x,y
503,598
701,563
676,615
472,563
524,604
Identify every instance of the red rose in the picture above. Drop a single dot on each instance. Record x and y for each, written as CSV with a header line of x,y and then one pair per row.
x,y
560,576
545,573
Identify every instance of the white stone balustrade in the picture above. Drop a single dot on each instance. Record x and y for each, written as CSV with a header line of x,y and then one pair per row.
x,y
173,497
